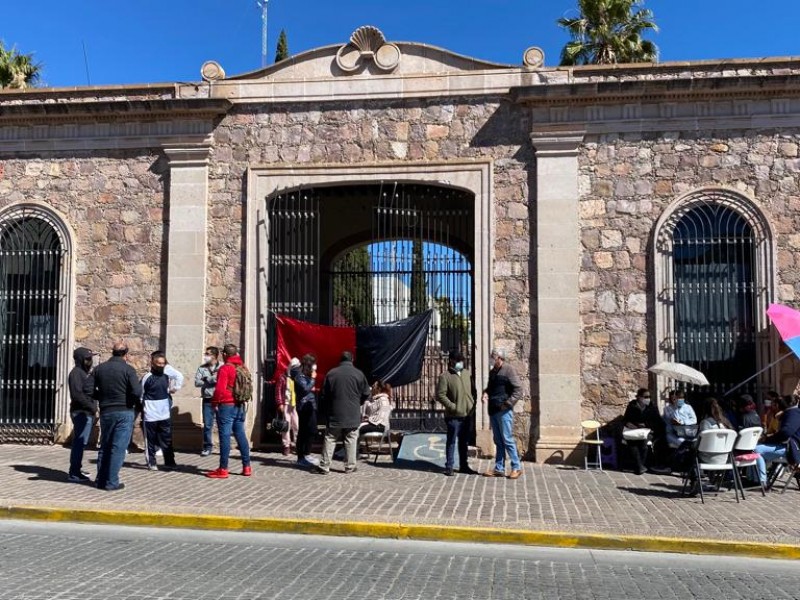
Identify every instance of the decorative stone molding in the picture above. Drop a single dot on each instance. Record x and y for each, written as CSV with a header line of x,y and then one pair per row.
x,y
212,71
533,57
368,43
188,156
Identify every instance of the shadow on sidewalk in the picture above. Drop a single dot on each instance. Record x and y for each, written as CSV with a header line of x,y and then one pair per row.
x,y
668,493
43,473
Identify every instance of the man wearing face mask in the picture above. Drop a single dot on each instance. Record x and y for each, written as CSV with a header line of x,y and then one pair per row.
x,y
502,392
206,380
641,414
157,388
680,420
454,392
83,409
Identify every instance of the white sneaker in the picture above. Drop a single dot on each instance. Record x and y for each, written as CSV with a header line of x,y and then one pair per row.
x,y
159,452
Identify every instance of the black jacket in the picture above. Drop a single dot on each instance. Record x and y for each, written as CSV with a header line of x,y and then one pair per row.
x,y
116,386
648,416
344,390
503,389
81,385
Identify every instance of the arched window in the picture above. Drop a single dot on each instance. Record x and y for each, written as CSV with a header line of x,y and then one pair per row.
x,y
713,285
34,288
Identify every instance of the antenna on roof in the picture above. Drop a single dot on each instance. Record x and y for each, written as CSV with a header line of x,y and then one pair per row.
x,y
86,63
263,6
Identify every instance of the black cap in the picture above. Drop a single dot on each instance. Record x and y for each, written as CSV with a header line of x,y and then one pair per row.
x,y
456,355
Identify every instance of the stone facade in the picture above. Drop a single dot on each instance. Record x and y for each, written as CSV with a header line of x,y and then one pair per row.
x,y
628,182
572,168
114,204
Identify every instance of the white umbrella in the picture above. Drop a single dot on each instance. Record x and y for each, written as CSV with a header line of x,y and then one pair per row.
x,y
679,372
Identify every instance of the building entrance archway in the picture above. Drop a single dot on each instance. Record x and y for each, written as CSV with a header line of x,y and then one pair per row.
x,y
366,254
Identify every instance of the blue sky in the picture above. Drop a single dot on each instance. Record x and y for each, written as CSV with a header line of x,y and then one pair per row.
x,y
167,40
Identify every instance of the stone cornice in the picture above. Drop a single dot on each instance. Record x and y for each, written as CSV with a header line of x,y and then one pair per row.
x,y
113,110
679,89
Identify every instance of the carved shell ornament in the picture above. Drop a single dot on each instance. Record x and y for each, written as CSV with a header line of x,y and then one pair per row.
x,y
368,43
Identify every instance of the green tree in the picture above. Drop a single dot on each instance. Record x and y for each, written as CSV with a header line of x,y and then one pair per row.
x,y
454,325
608,32
352,288
282,50
419,285
17,70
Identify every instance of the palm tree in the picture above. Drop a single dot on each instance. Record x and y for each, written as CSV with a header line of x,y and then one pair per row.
x,y
608,32
17,70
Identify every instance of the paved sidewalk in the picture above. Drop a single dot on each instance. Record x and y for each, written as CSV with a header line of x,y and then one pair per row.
x,y
546,498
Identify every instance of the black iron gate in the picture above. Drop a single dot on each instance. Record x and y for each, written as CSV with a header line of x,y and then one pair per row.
x,y
31,295
716,295
370,254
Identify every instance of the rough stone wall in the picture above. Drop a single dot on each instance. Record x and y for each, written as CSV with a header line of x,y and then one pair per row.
x,y
626,183
345,133
113,203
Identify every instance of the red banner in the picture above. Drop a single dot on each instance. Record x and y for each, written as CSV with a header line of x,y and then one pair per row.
x,y
296,338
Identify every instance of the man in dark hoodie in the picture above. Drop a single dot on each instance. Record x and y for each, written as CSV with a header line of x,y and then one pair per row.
x,y
82,408
118,392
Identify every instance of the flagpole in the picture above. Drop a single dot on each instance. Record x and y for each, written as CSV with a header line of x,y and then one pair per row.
x,y
772,364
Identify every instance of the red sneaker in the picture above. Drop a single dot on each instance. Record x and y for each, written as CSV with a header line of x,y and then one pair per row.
x,y
247,471
218,474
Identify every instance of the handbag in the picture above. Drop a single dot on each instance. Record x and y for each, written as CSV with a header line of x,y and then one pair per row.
x,y
636,435
279,425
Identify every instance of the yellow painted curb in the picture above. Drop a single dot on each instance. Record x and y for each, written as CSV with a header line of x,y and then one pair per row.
x,y
441,533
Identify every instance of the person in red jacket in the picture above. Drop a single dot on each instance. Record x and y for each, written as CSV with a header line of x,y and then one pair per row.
x,y
230,415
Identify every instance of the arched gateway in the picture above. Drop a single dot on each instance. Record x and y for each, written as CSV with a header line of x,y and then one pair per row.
x,y
34,325
351,255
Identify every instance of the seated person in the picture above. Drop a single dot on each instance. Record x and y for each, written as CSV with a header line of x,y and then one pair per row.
x,y
376,411
787,437
773,404
747,413
680,420
713,418
641,414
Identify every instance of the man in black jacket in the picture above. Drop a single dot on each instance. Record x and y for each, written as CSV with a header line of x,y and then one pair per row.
x,y
343,392
83,409
118,392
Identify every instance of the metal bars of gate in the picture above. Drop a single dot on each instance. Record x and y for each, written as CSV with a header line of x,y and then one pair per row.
x,y
293,279
31,293
412,264
714,290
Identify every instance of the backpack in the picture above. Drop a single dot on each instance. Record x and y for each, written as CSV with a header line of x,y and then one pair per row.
x,y
242,388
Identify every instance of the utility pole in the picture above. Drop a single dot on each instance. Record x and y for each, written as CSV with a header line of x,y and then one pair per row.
x,y
263,5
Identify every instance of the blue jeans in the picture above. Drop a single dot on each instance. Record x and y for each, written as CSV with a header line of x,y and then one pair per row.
x,y
115,435
82,424
769,453
458,430
208,425
230,418
503,431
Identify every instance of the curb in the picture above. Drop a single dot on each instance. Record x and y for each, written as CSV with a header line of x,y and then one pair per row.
x,y
436,533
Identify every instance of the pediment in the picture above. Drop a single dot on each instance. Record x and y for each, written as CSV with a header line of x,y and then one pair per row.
x,y
366,54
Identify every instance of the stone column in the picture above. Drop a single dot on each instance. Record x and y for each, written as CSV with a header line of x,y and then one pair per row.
x,y
558,255
186,269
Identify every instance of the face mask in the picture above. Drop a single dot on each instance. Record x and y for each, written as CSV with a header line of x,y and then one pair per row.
x,y
206,359
157,370
767,403
645,400
459,366
680,402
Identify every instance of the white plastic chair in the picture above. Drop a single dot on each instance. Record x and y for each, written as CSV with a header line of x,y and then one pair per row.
x,y
590,438
715,447
376,436
746,444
